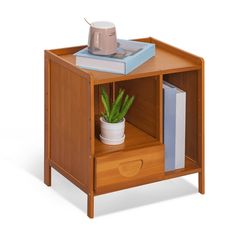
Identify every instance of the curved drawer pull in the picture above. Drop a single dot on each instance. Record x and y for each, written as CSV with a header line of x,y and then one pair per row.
x,y
130,168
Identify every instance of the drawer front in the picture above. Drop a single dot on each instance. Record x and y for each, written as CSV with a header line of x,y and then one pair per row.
x,y
125,169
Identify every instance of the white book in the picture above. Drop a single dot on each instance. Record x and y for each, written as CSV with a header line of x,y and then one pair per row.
x,y
174,126
180,129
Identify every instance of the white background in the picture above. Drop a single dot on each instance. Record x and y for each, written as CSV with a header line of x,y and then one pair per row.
x,y
27,206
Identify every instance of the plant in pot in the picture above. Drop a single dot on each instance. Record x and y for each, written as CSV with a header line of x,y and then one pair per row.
x,y
112,121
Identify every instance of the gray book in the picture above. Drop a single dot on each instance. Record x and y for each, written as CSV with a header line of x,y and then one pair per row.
x,y
174,126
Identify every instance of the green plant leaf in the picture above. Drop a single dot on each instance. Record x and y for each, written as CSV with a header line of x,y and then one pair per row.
x,y
104,115
117,111
125,109
105,101
125,102
105,105
116,105
114,117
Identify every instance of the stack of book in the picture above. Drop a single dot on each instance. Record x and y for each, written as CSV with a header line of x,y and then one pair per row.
x,y
174,126
129,56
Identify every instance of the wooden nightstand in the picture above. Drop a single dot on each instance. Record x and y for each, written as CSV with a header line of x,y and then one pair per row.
x,y
73,105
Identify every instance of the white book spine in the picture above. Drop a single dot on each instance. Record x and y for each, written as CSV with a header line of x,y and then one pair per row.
x,y
174,126
180,129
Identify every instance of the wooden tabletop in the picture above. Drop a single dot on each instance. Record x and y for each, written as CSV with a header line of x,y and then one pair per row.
x,y
168,59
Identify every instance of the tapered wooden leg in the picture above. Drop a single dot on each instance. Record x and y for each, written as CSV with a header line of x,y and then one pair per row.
x,y
201,182
47,173
90,206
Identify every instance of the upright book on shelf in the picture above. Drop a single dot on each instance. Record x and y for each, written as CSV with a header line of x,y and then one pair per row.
x,y
174,126
129,55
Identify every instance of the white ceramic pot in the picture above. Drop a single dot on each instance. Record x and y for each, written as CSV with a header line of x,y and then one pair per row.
x,y
112,133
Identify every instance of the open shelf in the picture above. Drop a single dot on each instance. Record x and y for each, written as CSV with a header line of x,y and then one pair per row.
x,y
144,119
134,138
187,81
190,167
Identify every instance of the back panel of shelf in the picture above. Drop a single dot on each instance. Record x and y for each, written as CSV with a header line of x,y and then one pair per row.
x,y
146,112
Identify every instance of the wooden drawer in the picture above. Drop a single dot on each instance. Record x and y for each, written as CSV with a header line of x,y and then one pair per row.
x,y
128,168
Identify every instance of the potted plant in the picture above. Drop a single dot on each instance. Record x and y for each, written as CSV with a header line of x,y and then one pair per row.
x,y
112,121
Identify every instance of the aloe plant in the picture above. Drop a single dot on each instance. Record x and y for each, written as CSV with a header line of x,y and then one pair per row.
x,y
116,112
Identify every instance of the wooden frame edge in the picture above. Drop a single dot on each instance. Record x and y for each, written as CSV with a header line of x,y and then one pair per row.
x,y
178,51
63,172
201,128
47,120
82,73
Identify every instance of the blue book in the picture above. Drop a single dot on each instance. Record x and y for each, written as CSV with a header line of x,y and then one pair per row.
x,y
174,126
129,55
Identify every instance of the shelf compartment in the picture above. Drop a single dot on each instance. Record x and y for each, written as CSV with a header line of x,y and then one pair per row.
x,y
146,111
143,120
134,138
188,82
191,167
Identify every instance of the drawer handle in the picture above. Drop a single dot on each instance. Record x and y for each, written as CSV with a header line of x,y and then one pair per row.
x,y
130,168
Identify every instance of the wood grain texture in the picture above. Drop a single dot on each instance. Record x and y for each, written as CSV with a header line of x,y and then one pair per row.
x,y
134,138
159,109
72,105
146,110
124,168
163,62
168,59
188,82
176,51
70,123
191,167
193,83
90,205
90,170
201,136
47,121
68,50
58,58
68,175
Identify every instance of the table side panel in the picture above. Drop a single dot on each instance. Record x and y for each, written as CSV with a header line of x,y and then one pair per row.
x,y
70,122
